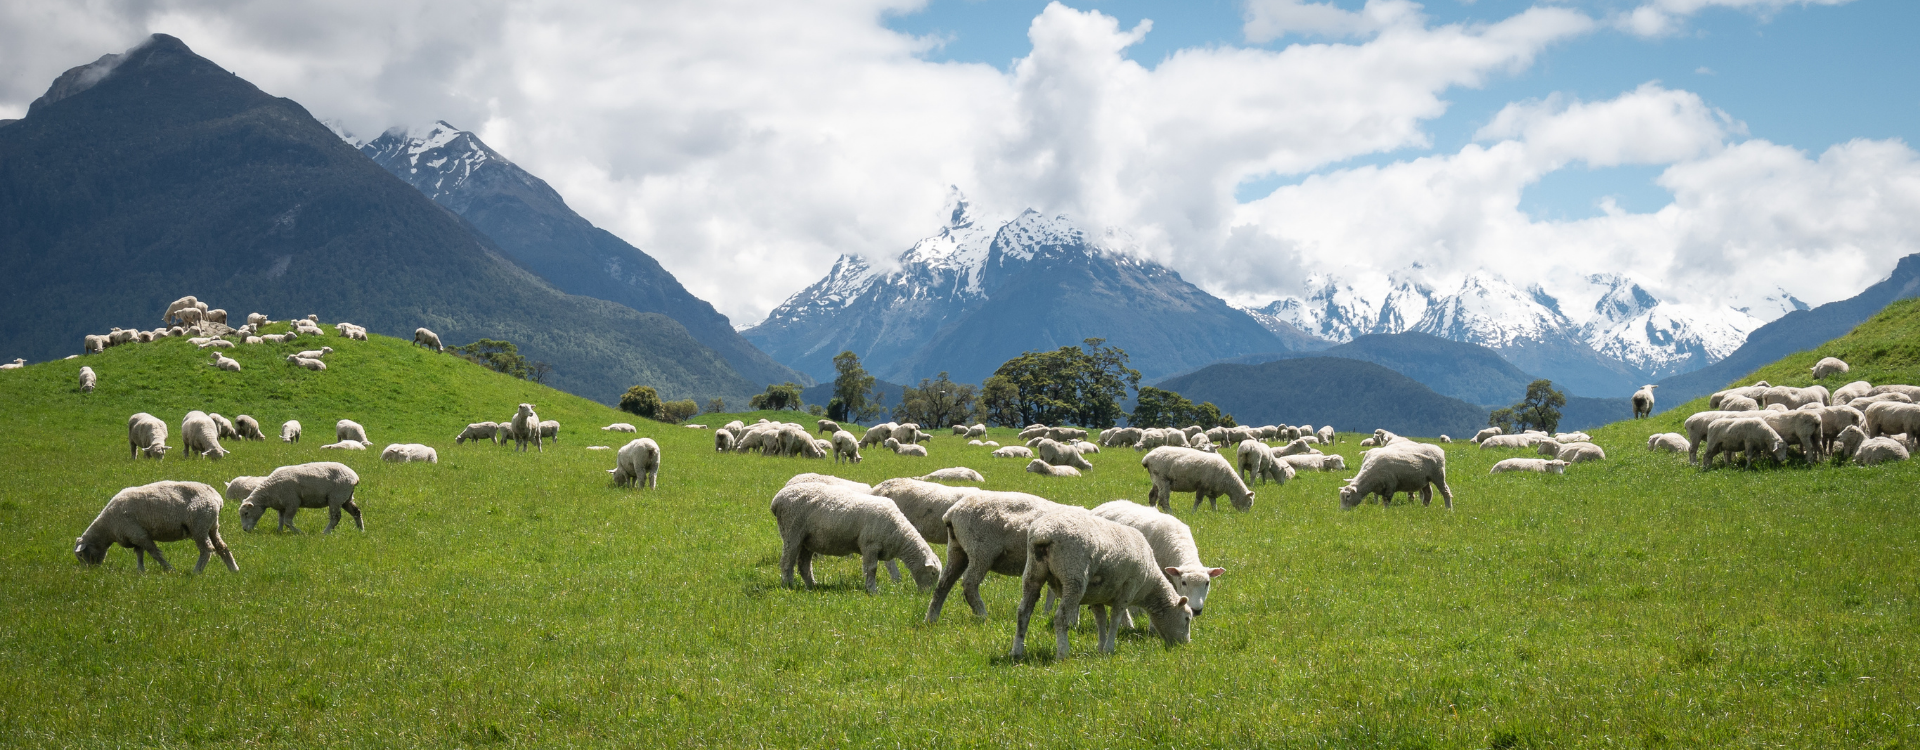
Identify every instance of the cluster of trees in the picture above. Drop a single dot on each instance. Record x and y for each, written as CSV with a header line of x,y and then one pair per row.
x,y
503,357
1159,408
777,397
644,401
1068,385
1540,410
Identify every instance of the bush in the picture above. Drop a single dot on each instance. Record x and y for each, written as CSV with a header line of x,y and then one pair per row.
x,y
676,412
641,400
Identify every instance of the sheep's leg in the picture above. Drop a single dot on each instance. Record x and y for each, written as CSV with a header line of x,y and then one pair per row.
x,y
154,549
140,559
1071,592
806,566
1104,625
956,565
970,586
1426,495
1446,493
353,509
893,569
286,519
1029,594
789,557
653,478
220,547
870,568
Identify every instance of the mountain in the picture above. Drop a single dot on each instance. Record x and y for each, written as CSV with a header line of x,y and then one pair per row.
x,y
532,224
888,394
1351,395
981,292
1658,339
1793,332
1469,372
154,174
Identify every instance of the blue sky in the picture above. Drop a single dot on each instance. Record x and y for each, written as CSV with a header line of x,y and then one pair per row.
x,y
1807,77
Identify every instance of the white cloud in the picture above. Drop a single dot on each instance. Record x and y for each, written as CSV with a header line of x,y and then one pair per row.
x,y
1652,125
1664,17
1268,20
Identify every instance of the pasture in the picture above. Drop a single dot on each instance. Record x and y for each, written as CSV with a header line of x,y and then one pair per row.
x,y
509,599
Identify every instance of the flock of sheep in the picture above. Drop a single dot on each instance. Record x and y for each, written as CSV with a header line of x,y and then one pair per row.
x,y
1858,422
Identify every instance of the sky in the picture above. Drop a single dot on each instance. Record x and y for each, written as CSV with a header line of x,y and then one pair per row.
x,y
1715,151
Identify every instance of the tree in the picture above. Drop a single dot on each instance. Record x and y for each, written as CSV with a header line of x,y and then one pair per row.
x,y
716,405
1207,415
538,372
777,397
498,356
1540,410
641,400
852,390
1501,418
936,403
1063,386
1162,408
676,412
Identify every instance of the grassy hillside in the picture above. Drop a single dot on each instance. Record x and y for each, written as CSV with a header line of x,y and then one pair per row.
x,y
505,599
1347,393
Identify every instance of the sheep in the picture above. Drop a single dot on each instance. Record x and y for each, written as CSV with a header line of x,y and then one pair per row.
x,y
140,517
637,464
924,503
477,431
201,436
87,379
823,519
1834,419
1486,433
859,487
1794,398
989,444
1798,427
986,533
1848,442
227,431
1850,391
346,445
311,364
1206,475
1749,435
1038,466
191,317
1098,563
1173,550
1314,462
1696,429
550,430
255,340
1201,442
1013,451
954,474
877,434
975,442
619,427
290,431
1033,431
1445,439
407,453
1508,442
428,339
1257,463
722,441
217,344
905,450
286,490
315,353
1863,402
1084,447
247,428
94,343
1370,442
347,429
906,433
1326,435
1739,403
978,430
1060,455
1876,451
1539,465
1297,447
1573,437
1755,392
1893,419
240,487
257,319
1573,453
221,361
147,435
526,427
276,338
1118,436
174,309
1671,442
1829,366
1402,467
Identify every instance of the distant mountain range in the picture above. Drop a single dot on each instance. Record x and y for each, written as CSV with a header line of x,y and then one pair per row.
x,y
155,173
1351,395
980,292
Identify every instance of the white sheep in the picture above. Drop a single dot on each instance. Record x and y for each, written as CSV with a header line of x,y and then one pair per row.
x,y
550,430
1297,447
426,338
1098,563
173,310
924,503
986,533
314,353
346,445
147,435
1445,439
201,436
1173,550
257,319
877,434
811,478
407,453
845,445
140,517
322,484
1058,454
1540,465
1206,475
1400,467
1892,418
1257,463
227,431
347,429
1850,391
1848,442
526,427
1326,435
1314,462
895,445
1736,402
1013,451
87,379
722,441
290,431
1834,419
1671,442
954,474
1829,366
1794,398
637,464
1880,450
477,431
247,428
223,362
1798,427
978,430
240,487
824,519
1573,453
217,344
1573,437
1748,435
311,364
1038,466
1643,401
619,427
1486,433
1508,442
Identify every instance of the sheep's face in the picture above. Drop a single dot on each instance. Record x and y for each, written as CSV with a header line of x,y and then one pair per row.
x,y
215,453
156,451
1174,624
250,513
1349,497
926,575
1556,467
89,554
1193,583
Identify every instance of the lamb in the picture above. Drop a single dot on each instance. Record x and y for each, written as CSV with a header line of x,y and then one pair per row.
x,y
1013,451
1573,453
1314,462
1539,465
1038,466
290,431
526,427
87,379
223,362
1893,419
1201,442
347,429
954,474
619,427
1848,442
323,484
1829,366
1173,549
311,364
1060,455
1486,433
140,517
315,353
924,503
428,339
823,519
407,453
550,430
1748,435
1671,442
247,428
346,445
216,315
986,533
1880,450
637,464
477,431
1851,391
227,431
1402,467
146,434
905,450
1206,475
828,427
201,435
1098,563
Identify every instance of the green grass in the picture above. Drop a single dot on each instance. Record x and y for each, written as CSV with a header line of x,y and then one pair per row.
x,y
505,599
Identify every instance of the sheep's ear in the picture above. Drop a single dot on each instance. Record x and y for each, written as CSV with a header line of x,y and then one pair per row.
x,y
1216,572
1173,574
1182,602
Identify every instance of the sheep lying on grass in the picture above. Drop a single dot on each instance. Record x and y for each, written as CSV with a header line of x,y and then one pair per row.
x,y
346,445
1206,475
1541,465
637,464
619,427
986,533
955,474
1880,450
1013,451
1315,462
1671,442
1043,468
139,517
1829,366
407,453
1402,467
323,484
896,446
825,519
1573,453
1098,563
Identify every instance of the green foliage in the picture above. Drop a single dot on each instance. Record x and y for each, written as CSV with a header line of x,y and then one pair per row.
x,y
1163,408
816,410
937,403
1883,349
777,398
716,405
1064,386
1540,410
1503,419
641,400
852,391
675,412
499,356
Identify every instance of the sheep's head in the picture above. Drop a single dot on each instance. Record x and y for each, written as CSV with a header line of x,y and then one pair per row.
x,y
1174,624
1192,582
89,552
250,513
1548,448
1349,497
926,575
216,453
1556,466
156,451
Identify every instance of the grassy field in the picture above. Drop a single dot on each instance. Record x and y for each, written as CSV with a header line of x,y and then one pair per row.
x,y
506,599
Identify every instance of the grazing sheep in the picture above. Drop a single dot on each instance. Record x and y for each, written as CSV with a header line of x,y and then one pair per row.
x,y
924,503
1538,465
240,487
722,441
1738,403
1486,433
1696,429
1756,392
1794,398
140,517
1370,442
1206,475
1643,401
1671,442
346,445
1829,366
1173,550
827,426
347,429
955,474
315,353
87,379
986,533
477,431
1098,563
1013,451
1402,467
1850,391
844,445
407,453
223,362
1314,462
290,431
1863,402
1326,435
859,487
1573,453
1798,427
1834,419
1058,454
1033,431
637,464
550,430
322,484
619,427
877,434
978,430
1257,463
227,432
247,428
1445,439
1038,466
201,436
94,344
257,319
1848,442
526,427
146,434
1880,450
824,519
311,364
174,309
1891,418
428,339
1748,435
905,450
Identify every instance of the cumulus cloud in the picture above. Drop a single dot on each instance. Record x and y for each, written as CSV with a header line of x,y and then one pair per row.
x,y
1268,20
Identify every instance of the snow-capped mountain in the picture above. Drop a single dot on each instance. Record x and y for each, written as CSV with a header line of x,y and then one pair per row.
x,y
982,291
1662,338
